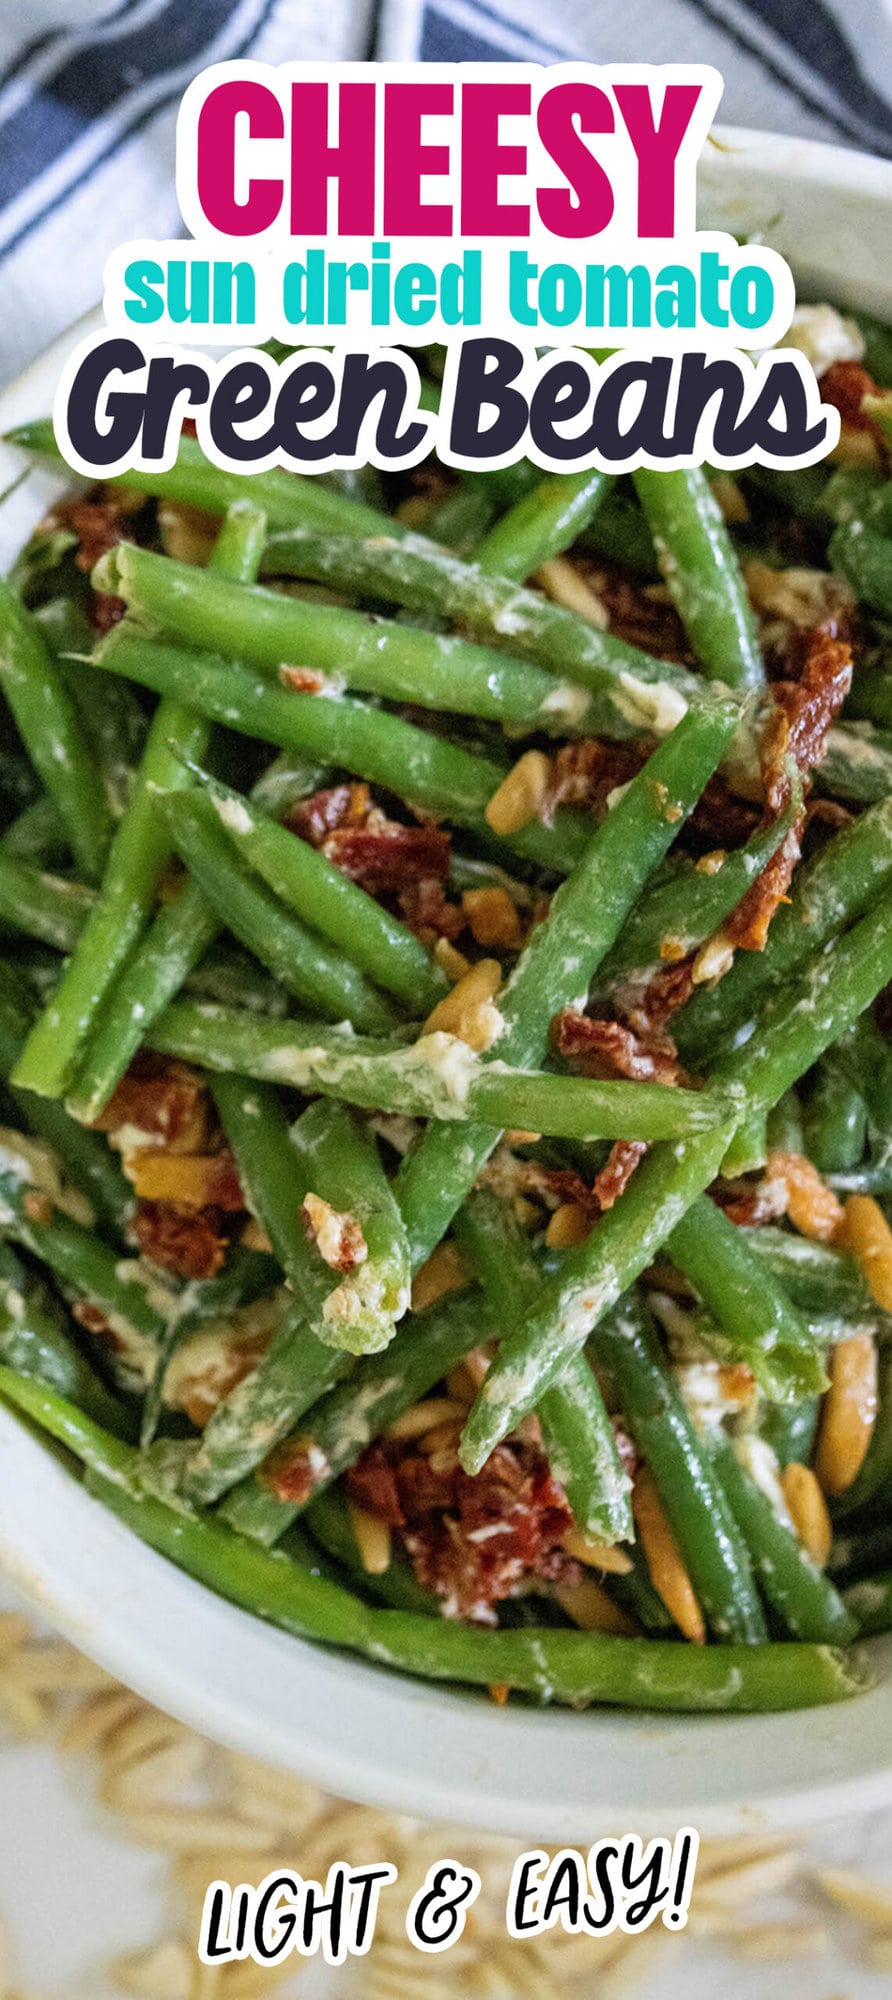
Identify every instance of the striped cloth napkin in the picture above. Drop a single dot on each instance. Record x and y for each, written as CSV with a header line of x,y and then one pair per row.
x,y
89,91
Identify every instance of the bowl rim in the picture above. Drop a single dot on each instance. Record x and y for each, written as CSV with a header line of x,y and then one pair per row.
x,y
375,1736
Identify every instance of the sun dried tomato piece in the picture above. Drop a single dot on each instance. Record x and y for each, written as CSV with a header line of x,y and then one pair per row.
x,y
388,855
302,680
845,384
804,710
190,1242
666,992
747,926
424,906
797,728
720,819
564,1185
614,1178
374,1484
160,1098
584,773
642,614
315,817
290,1474
607,1048
750,1203
472,1541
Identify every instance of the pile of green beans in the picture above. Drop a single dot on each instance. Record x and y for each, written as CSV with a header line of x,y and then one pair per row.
x,y
204,814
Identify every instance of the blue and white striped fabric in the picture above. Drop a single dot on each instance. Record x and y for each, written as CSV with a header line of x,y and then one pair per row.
x,y
89,90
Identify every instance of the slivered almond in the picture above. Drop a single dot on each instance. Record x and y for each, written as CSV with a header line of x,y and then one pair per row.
x,y
848,1413
468,1011
521,795
669,1576
445,1271
812,1207
809,1511
568,1225
591,1609
426,1416
493,918
372,1539
562,582
594,1554
865,1231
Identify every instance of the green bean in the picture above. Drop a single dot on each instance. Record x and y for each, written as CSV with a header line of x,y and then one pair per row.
x,y
761,1325
805,1599
173,948
286,498
139,850
577,1434
783,1126
327,900
263,628
460,519
328,1519
112,716
437,1077
813,1011
835,1120
865,1056
359,1313
320,976
86,1157
871,695
852,492
563,953
793,1030
37,834
864,556
619,534
857,763
278,1170
870,1603
436,776
713,1551
336,1157
340,1426
682,912
83,1264
863,1180
789,1429
49,727
49,907
589,1280
35,1341
285,781
816,1277
542,524
749,1147
840,883
877,338
631,690
700,566
177,939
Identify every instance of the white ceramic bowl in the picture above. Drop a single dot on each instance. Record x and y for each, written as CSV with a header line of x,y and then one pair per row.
x,y
364,1733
